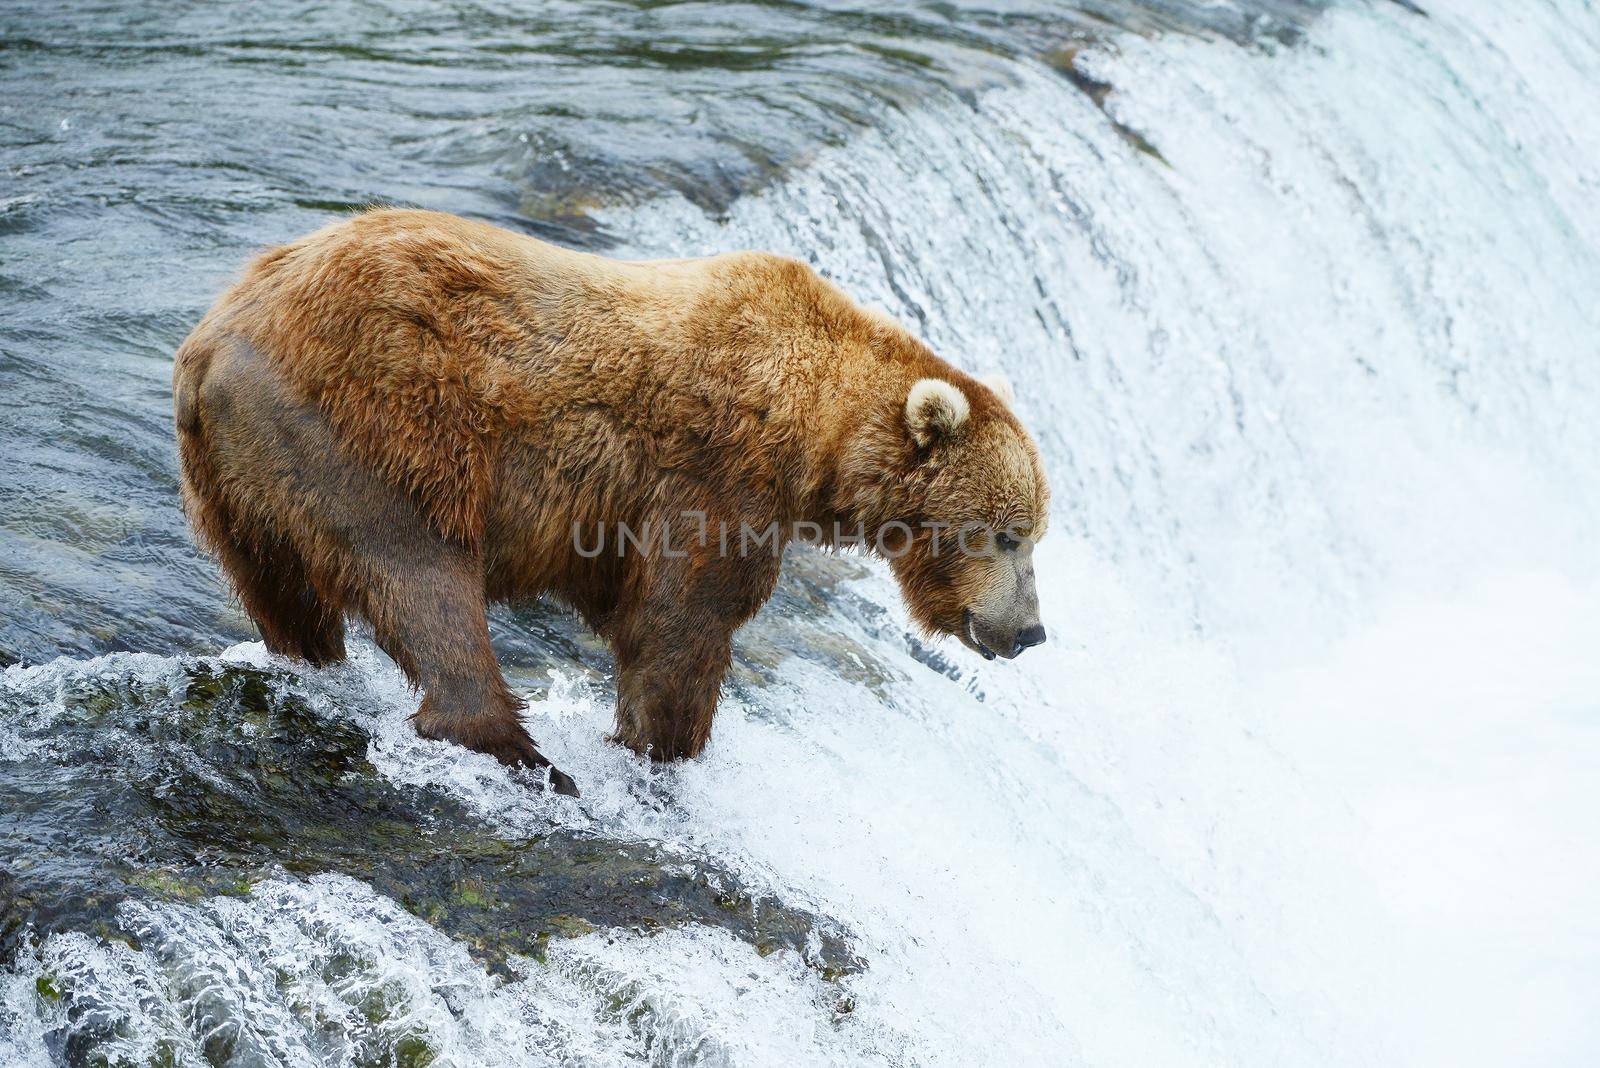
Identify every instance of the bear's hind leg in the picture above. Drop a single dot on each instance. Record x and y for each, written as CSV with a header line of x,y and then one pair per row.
x,y
362,539
427,613
293,618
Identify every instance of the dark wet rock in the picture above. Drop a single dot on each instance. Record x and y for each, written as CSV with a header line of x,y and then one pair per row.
x,y
1066,61
816,614
212,778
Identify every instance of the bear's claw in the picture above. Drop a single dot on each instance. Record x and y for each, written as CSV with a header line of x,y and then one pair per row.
x,y
512,746
526,755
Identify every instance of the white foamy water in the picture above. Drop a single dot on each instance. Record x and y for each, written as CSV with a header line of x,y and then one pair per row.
x,y
1306,774
328,972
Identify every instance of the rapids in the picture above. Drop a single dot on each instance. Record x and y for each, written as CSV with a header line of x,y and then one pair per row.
x,y
1300,300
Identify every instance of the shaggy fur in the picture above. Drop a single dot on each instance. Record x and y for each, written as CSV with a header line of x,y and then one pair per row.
x,y
403,416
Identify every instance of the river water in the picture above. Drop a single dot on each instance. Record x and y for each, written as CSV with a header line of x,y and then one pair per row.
x,y
1300,300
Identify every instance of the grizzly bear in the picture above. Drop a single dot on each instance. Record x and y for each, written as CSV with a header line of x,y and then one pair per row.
x,y
406,416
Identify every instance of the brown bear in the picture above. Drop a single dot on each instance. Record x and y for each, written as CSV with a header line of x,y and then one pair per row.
x,y
407,416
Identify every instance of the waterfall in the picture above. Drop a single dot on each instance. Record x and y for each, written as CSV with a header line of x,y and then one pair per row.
x,y
1309,337
1314,360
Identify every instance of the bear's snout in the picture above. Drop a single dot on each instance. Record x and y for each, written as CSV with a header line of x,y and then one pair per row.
x,y
1027,638
994,639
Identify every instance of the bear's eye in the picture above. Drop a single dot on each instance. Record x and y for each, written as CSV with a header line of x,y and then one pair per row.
x,y
1006,542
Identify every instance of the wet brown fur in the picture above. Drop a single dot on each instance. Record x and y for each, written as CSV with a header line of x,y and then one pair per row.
x,y
403,416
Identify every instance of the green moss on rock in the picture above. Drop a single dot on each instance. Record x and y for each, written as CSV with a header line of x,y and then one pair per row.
x,y
221,777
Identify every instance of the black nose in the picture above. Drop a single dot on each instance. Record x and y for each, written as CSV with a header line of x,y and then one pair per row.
x,y
1028,637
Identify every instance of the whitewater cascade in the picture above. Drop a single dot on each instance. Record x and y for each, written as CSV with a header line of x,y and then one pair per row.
x,y
1310,340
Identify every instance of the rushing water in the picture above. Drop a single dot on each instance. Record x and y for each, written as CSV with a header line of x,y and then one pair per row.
x,y
1301,302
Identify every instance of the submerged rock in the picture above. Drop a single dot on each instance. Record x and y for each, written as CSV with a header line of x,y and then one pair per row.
x,y
1066,61
165,780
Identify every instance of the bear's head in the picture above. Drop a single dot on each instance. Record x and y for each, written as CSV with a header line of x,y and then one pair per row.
x,y
973,500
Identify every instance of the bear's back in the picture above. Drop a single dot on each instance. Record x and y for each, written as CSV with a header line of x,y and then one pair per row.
x,y
425,337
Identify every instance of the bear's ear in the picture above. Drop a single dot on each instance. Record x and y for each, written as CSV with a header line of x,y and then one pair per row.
x,y
935,409
1002,388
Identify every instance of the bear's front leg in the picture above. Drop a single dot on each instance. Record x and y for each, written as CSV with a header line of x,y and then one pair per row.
x,y
668,681
674,647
